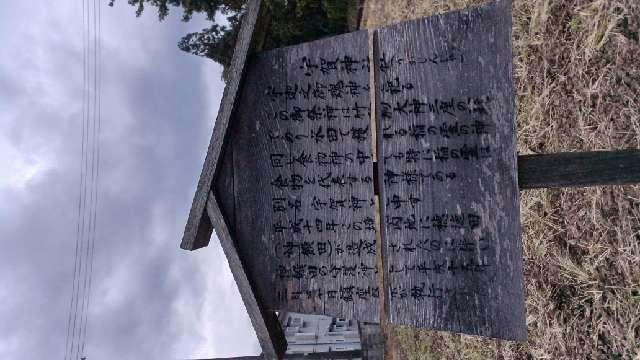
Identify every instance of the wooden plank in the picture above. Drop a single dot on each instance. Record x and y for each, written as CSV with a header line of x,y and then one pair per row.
x,y
196,232
447,156
269,334
303,178
574,169
593,168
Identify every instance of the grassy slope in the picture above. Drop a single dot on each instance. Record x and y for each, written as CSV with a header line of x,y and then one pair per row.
x,y
577,69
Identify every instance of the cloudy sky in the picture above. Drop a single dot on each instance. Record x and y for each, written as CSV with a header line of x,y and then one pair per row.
x,y
150,300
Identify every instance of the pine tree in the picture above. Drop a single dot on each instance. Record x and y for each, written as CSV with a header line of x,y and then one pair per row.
x,y
292,22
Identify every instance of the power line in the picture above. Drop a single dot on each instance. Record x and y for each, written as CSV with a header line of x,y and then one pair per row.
x,y
73,306
95,177
86,223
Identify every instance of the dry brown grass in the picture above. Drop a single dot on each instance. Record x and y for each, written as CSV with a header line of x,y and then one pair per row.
x,y
577,69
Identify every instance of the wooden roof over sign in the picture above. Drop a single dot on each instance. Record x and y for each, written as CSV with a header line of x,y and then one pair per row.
x,y
205,213
198,229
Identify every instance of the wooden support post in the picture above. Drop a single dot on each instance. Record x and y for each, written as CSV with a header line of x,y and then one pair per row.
x,y
579,169
574,169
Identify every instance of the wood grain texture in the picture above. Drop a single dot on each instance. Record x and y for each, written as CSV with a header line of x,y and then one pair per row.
x,y
223,188
265,324
593,168
196,232
447,164
303,178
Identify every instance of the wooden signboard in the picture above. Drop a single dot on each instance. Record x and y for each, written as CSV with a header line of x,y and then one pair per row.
x,y
296,186
447,169
288,181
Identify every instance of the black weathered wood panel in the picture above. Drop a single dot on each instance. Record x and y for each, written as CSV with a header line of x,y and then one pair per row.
x,y
579,169
251,183
197,232
447,157
304,214
223,188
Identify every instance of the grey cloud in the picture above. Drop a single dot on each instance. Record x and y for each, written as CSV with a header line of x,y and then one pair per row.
x,y
151,300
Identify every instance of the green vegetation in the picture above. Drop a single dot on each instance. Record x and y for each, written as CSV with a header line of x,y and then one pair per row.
x,y
296,21
291,22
